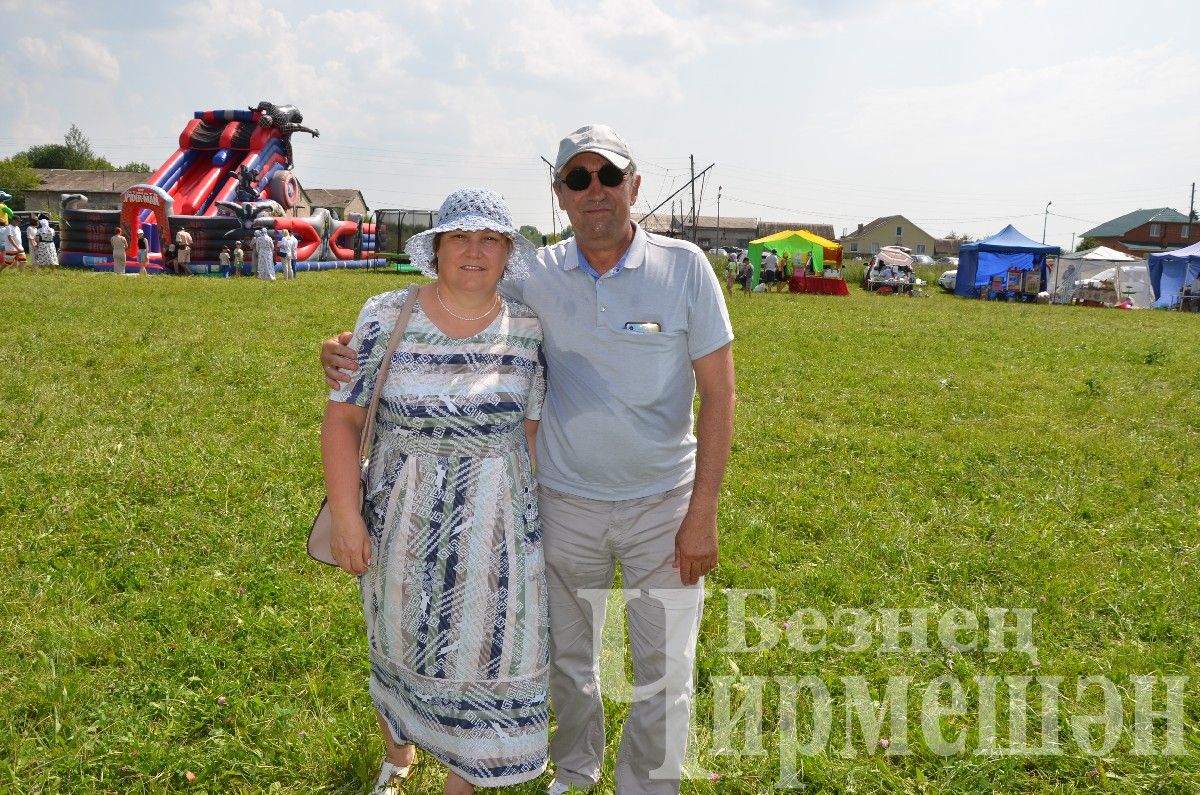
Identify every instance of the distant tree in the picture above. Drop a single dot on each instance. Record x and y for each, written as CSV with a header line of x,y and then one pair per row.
x,y
80,149
963,238
46,156
17,177
1086,243
135,165
566,233
531,234
75,152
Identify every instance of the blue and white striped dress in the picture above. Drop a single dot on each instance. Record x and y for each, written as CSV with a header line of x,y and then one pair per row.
x,y
455,598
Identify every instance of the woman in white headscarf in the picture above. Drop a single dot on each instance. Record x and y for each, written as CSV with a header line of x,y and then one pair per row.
x,y
264,254
45,255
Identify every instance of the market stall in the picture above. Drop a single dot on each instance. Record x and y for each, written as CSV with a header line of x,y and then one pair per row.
x,y
1005,265
801,246
1100,276
1173,272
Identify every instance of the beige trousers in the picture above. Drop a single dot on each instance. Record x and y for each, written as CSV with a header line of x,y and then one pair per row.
x,y
583,540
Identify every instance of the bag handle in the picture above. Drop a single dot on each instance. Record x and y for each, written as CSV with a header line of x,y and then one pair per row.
x,y
368,431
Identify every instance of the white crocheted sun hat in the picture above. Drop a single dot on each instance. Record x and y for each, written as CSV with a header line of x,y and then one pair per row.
x,y
471,210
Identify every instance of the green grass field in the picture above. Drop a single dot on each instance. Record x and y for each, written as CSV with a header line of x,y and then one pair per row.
x,y
158,443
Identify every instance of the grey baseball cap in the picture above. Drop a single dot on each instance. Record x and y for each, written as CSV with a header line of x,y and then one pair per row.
x,y
598,138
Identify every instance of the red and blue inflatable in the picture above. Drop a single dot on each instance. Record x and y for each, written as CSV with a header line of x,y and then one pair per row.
x,y
231,174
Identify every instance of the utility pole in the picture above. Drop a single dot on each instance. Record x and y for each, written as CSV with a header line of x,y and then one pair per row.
x,y
1044,220
692,159
553,217
1192,204
718,243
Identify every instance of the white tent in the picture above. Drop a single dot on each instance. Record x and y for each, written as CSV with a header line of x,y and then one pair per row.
x,y
1096,266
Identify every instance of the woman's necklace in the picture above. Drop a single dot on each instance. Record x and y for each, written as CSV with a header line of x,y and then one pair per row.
x,y
452,313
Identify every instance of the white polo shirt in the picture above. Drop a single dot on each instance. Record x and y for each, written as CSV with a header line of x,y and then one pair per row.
x,y
617,422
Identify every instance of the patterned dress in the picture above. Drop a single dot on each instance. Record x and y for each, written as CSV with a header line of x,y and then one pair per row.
x,y
46,254
455,598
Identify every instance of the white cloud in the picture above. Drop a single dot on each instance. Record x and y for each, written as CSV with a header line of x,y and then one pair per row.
x,y
1094,106
599,48
70,56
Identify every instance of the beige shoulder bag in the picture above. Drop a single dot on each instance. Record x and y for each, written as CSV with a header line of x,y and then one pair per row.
x,y
320,537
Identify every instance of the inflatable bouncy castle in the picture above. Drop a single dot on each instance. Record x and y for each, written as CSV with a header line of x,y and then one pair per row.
x,y
231,175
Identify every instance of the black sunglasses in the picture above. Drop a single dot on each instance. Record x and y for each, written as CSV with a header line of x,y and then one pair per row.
x,y
579,177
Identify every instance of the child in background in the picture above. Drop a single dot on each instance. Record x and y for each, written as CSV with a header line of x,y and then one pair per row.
x,y
226,267
239,259
143,252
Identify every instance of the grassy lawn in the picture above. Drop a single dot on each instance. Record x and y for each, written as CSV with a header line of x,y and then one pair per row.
x,y
158,443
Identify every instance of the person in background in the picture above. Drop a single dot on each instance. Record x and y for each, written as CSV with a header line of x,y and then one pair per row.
x,y
14,252
239,258
287,254
143,253
183,252
170,258
31,241
731,272
119,248
225,261
264,255
46,253
770,268
745,273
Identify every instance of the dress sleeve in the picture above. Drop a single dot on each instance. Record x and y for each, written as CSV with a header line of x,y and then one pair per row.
x,y
372,332
537,392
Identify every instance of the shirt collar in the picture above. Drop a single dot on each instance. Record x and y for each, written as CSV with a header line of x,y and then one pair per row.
x,y
632,258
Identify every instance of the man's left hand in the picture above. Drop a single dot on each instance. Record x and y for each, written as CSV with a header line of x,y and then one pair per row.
x,y
695,548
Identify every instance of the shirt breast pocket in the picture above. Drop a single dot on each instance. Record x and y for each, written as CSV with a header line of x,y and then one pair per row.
x,y
649,364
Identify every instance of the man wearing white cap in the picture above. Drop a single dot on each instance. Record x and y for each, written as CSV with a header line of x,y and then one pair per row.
x,y
634,323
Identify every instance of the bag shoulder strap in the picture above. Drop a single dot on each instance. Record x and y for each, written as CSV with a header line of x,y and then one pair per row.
x,y
368,431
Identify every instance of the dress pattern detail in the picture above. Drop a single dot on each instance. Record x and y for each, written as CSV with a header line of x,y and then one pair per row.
x,y
454,600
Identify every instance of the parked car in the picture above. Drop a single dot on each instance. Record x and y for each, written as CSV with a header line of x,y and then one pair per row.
x,y
922,259
732,252
947,279
947,261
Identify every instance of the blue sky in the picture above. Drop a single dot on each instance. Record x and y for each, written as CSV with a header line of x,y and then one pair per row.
x,y
962,116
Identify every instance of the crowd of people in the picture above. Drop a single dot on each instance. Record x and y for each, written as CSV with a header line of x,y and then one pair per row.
x,y
776,270
177,258
33,246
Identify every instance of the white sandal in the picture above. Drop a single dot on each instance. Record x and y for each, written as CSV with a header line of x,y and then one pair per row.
x,y
391,777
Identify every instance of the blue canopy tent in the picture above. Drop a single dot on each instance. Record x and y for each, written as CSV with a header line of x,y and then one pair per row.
x,y
1006,250
1171,271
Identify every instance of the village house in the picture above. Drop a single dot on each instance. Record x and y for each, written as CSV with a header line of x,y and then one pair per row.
x,y
104,188
340,202
890,230
733,230
1145,232
774,227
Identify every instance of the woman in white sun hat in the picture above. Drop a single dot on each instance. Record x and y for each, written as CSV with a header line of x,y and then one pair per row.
x,y
446,542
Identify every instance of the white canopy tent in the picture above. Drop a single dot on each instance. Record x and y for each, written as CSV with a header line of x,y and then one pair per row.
x,y
1129,275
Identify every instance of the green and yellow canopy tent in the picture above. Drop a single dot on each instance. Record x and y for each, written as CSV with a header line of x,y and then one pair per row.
x,y
795,242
